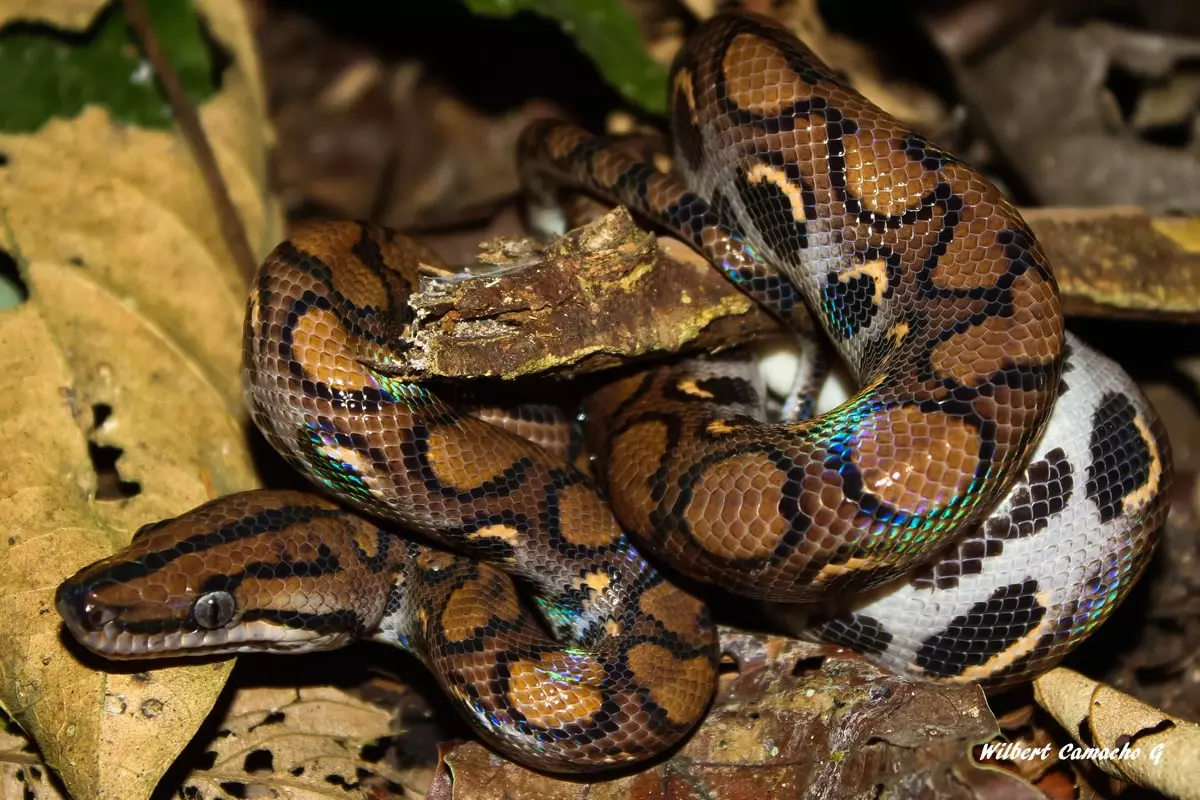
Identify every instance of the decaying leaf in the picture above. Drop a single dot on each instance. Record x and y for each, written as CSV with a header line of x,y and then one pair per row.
x,y
310,744
123,359
1126,738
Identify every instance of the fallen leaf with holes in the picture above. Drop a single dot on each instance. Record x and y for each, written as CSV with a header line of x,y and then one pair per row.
x,y
121,399
22,773
306,744
1027,747
1128,739
791,719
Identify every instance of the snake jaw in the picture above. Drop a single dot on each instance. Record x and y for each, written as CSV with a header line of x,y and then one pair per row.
x,y
128,632
140,629
96,625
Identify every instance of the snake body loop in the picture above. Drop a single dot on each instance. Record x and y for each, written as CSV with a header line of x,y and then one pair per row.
x,y
1026,521
927,281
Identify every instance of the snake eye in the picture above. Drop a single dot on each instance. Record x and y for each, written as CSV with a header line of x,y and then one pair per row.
x,y
214,610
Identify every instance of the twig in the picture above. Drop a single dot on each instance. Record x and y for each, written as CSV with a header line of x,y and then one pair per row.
x,y
232,229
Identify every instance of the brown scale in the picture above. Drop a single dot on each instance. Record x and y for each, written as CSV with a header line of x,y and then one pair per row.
x,y
956,336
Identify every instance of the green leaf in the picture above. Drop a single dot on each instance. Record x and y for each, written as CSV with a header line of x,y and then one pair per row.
x,y
607,34
10,293
47,73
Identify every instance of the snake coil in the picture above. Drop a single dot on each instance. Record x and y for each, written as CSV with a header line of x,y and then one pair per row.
x,y
1019,523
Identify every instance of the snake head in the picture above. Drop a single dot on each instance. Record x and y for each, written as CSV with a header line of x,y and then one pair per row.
x,y
250,572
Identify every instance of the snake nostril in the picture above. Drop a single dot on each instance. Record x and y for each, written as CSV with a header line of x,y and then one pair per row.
x,y
76,604
68,598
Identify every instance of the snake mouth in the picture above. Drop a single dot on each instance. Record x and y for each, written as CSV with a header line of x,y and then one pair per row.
x,y
139,631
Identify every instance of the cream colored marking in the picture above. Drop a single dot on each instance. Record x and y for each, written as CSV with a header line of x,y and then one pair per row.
x,y
505,533
1006,657
435,560
719,427
347,455
612,627
899,331
255,312
620,123
683,83
367,541
597,581
765,173
1139,497
875,270
358,462
688,386
852,565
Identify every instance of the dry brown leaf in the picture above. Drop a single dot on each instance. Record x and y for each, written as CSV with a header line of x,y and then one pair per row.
x,y
1140,744
302,744
71,14
129,339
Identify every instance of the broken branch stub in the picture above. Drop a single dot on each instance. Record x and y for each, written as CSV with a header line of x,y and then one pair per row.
x,y
601,296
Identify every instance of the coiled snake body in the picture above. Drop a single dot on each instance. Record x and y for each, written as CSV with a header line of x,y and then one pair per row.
x,y
927,281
